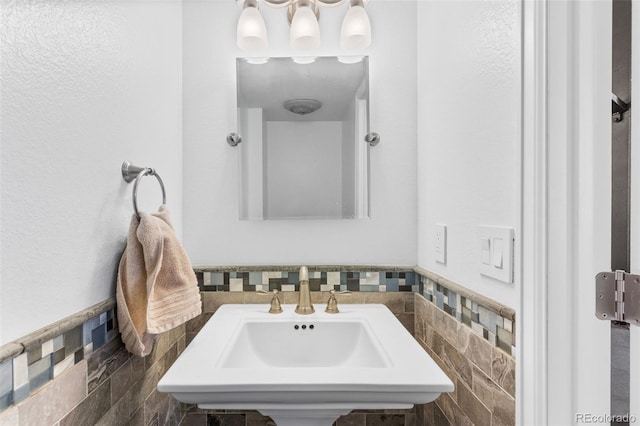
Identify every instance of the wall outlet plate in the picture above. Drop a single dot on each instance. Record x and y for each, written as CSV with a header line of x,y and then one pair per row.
x,y
495,252
440,243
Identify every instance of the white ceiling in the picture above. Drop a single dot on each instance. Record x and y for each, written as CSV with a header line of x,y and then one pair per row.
x,y
327,80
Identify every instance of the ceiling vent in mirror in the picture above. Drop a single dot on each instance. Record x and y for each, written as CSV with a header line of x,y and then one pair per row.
x,y
302,106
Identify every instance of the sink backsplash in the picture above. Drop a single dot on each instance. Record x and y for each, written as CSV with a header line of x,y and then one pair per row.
x,y
321,278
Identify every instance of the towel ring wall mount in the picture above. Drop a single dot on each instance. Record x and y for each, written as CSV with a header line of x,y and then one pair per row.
x,y
133,173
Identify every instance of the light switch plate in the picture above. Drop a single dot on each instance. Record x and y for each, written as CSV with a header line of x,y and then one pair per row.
x,y
500,266
440,243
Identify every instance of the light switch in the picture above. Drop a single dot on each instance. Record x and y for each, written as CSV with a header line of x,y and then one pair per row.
x,y
497,253
485,251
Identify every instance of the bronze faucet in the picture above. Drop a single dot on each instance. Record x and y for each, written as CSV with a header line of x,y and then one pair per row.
x,y
332,304
304,302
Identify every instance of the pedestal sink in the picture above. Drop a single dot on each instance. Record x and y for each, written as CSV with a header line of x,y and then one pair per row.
x,y
304,370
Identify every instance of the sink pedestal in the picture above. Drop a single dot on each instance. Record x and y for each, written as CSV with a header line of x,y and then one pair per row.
x,y
304,417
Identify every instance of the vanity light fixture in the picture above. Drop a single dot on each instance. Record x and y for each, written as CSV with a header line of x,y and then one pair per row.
x,y
251,32
356,27
304,33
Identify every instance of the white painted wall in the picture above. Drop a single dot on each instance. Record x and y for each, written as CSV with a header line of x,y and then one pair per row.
x,y
214,234
468,125
85,86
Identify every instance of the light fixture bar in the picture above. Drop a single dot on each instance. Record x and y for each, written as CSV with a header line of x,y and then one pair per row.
x,y
330,3
283,3
278,3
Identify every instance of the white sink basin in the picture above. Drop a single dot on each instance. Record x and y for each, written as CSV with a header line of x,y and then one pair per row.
x,y
304,369
322,343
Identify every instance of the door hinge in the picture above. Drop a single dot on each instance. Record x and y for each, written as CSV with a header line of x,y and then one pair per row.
x,y
618,297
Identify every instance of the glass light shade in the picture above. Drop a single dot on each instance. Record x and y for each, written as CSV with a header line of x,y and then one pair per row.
x,y
356,29
305,31
350,59
304,60
252,32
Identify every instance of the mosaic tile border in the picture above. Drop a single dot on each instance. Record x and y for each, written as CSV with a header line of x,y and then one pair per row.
x,y
25,373
252,281
497,329
497,307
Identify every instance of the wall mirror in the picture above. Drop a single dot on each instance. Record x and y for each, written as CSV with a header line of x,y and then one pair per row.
x,y
303,122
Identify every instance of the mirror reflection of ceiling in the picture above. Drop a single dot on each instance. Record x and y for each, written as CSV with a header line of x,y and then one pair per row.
x,y
270,85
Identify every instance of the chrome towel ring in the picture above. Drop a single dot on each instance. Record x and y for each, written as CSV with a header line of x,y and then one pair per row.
x,y
131,173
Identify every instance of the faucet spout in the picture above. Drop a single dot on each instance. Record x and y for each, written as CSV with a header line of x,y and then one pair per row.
x,y
304,302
